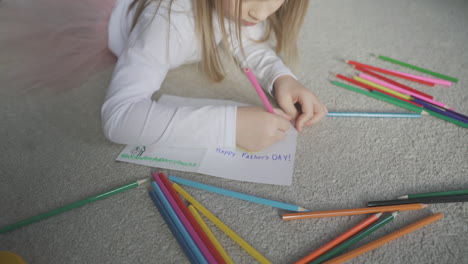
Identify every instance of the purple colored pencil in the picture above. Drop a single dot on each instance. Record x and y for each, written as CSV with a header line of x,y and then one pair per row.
x,y
458,114
439,110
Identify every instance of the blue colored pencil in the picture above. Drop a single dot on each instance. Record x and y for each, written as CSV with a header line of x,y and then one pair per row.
x,y
238,195
172,226
160,195
378,115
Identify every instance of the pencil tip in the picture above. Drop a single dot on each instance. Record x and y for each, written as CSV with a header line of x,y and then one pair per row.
x,y
378,215
404,197
140,182
425,205
332,74
395,214
302,209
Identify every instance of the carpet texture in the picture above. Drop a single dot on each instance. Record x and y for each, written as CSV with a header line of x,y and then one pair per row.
x,y
53,153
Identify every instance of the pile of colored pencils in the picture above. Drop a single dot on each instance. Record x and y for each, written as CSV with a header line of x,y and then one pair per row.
x,y
385,89
329,253
193,234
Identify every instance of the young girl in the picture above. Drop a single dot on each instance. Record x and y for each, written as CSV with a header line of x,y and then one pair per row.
x,y
151,37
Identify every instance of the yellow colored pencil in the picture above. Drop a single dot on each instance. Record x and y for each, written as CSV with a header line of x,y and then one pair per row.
x,y
210,235
353,211
383,88
228,231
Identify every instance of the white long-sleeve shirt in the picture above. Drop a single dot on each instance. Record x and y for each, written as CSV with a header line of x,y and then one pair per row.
x,y
146,54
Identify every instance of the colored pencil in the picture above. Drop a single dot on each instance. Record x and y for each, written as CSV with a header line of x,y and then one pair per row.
x,y
456,113
445,117
427,79
381,241
355,239
354,211
436,109
398,89
433,194
203,236
175,231
388,72
69,207
187,224
210,234
178,223
238,195
404,64
215,220
378,96
368,221
383,78
259,89
377,115
383,88
370,88
426,200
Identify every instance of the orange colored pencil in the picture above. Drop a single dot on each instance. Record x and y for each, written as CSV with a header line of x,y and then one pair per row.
x,y
379,242
355,211
339,239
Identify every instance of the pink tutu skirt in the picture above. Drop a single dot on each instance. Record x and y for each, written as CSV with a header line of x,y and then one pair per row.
x,y
53,45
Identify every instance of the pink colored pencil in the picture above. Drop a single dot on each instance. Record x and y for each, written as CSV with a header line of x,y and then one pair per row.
x,y
383,78
259,89
196,238
426,79
385,71
368,221
398,89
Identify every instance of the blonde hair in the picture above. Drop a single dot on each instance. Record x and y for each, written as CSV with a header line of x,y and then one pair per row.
x,y
285,24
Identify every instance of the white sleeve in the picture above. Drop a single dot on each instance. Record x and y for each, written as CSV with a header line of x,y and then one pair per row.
x,y
130,116
260,57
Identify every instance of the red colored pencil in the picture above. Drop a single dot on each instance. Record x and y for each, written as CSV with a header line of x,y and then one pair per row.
x,y
190,218
388,72
368,87
393,82
339,239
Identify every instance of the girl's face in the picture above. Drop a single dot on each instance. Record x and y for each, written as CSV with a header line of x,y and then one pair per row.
x,y
253,11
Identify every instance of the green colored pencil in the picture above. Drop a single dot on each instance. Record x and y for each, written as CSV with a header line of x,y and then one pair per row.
x,y
353,240
446,118
416,68
380,96
433,194
69,207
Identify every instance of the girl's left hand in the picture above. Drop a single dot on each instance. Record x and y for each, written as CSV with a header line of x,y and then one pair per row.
x,y
289,92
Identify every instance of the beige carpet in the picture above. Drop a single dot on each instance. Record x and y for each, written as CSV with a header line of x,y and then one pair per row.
x,y
53,152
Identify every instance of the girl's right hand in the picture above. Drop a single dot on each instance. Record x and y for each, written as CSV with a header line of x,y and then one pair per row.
x,y
258,129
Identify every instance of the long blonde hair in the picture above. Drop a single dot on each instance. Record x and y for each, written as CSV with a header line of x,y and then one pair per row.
x,y
285,24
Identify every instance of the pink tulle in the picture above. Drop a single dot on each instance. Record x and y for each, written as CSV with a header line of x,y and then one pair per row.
x,y
53,44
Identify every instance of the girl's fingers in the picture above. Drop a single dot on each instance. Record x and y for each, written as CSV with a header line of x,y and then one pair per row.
x,y
288,107
282,114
